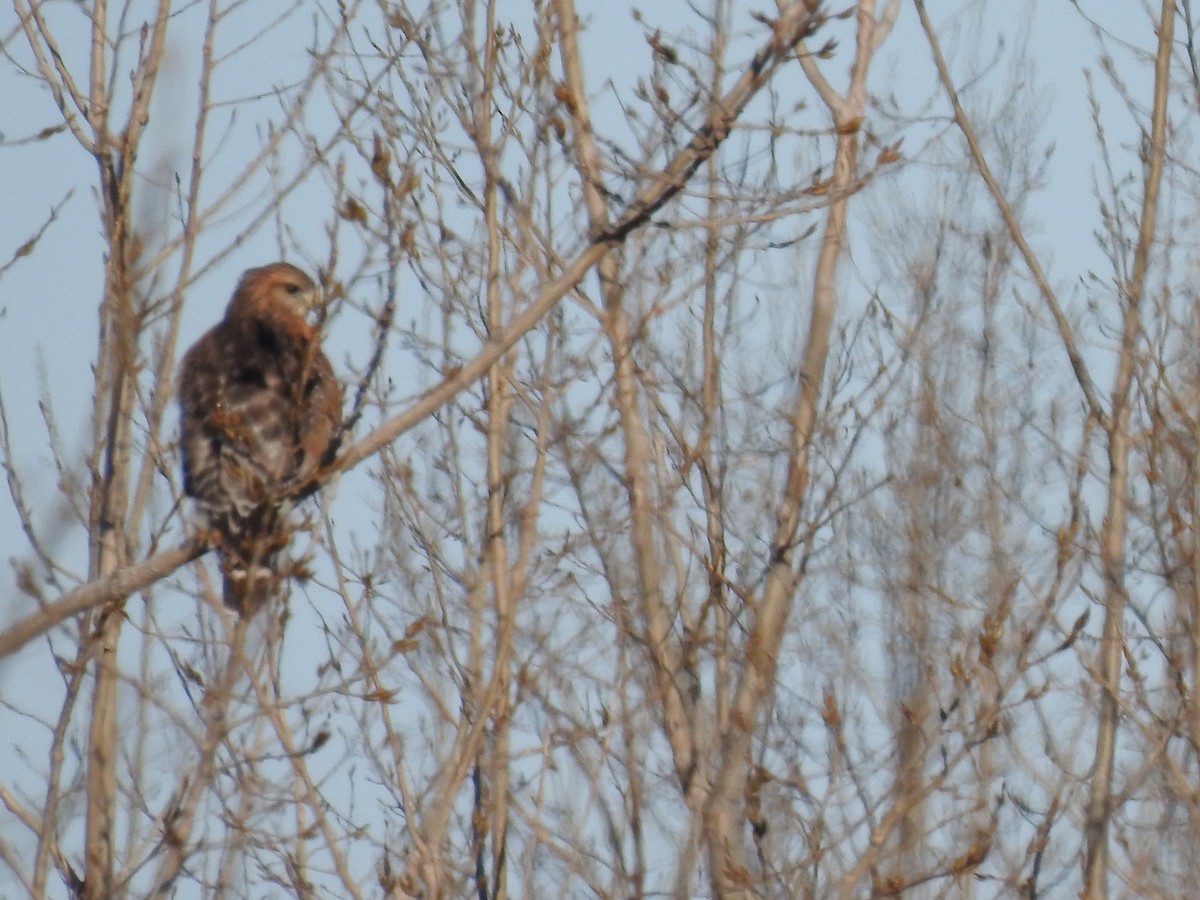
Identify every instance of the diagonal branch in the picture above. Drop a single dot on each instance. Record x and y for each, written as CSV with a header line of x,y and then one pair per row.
x,y
787,32
1082,375
120,583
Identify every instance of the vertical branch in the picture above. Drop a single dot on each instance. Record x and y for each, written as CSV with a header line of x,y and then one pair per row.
x,y
107,501
109,542
664,656
710,405
711,467
493,818
1113,529
721,813
114,403
116,368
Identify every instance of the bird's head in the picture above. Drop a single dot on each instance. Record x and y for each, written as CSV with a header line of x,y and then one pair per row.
x,y
278,286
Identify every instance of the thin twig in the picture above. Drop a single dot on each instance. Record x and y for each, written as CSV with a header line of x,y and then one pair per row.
x,y
1082,375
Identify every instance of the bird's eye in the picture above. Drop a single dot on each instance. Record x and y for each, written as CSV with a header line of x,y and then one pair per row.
x,y
292,288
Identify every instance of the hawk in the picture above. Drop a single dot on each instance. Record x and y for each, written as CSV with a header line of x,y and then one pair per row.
x,y
260,414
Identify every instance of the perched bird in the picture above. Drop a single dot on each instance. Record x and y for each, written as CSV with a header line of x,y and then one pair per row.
x,y
260,413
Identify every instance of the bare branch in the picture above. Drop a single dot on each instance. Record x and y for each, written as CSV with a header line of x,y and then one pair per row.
x,y
113,587
1065,332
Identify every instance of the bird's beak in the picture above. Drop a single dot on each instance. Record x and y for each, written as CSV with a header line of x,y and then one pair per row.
x,y
316,307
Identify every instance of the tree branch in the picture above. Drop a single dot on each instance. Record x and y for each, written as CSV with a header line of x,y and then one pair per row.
x,y
1082,375
120,583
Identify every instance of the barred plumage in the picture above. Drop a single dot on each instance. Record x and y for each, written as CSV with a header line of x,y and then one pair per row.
x,y
260,410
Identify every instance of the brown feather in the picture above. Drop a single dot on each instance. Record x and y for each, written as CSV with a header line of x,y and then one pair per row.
x,y
260,412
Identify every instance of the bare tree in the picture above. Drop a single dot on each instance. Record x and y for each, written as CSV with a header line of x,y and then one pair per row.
x,y
736,498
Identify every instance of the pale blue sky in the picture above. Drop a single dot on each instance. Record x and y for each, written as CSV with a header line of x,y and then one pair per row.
x,y
48,300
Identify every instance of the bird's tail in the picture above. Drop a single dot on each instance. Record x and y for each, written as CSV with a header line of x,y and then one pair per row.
x,y
252,566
